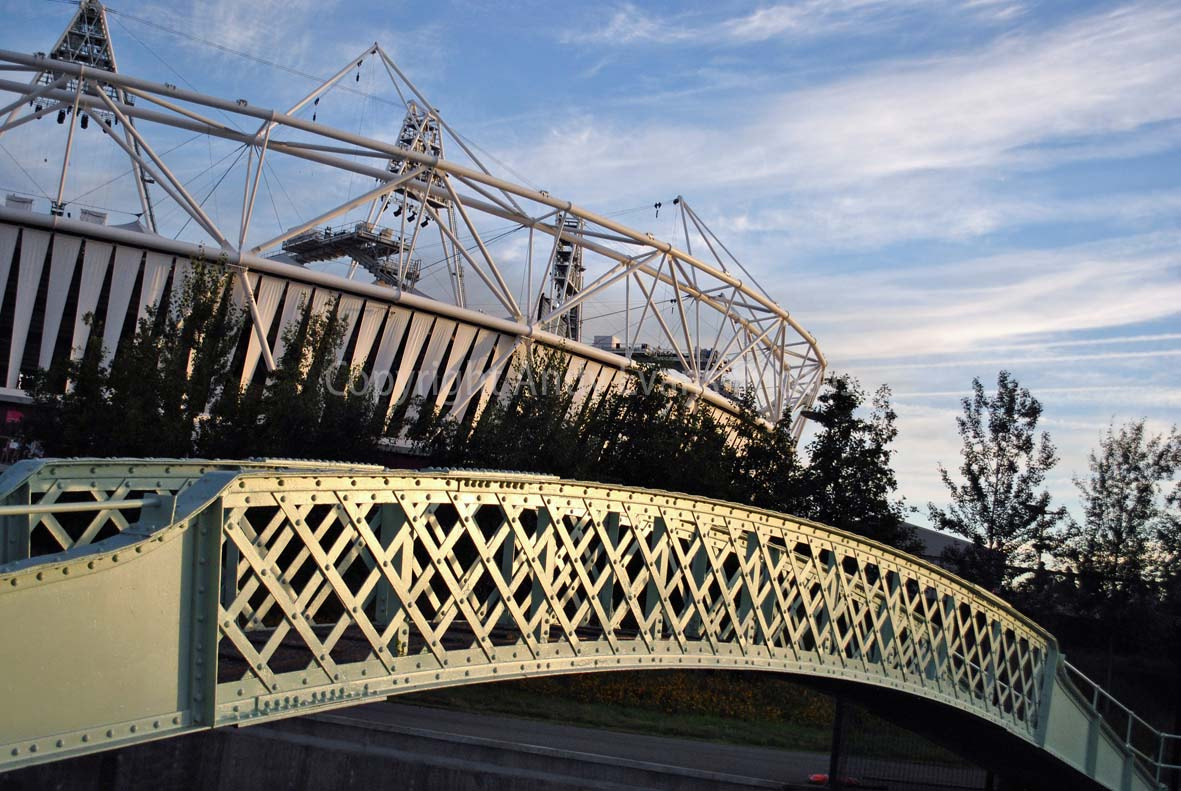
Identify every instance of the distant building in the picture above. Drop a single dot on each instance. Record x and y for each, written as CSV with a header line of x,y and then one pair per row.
x,y
934,543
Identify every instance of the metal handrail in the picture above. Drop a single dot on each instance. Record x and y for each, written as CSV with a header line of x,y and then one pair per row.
x,y
1097,692
62,508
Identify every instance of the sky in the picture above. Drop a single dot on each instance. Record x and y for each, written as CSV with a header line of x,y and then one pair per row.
x,y
936,190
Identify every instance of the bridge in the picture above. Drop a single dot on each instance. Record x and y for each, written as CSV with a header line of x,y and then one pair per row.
x,y
143,599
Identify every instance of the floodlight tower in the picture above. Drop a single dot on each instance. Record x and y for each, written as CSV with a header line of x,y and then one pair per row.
x,y
86,41
565,282
421,132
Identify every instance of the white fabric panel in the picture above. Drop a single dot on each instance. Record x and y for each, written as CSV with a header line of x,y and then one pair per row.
x,y
238,295
62,262
347,311
180,272
464,335
574,368
156,267
501,359
122,284
420,325
606,380
367,334
470,379
321,300
269,292
586,383
34,246
297,296
7,248
95,258
432,360
391,338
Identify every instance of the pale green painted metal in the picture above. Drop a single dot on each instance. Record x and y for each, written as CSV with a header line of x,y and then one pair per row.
x,y
246,591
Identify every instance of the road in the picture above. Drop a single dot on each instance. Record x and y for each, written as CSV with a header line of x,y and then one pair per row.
x,y
758,763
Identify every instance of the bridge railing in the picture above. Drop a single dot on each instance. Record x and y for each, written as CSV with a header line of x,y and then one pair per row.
x,y
633,574
297,587
54,505
1150,746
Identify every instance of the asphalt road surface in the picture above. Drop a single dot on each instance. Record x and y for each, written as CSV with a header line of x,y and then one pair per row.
x,y
781,766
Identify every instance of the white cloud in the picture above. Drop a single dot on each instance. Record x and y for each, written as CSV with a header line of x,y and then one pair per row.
x,y
628,25
997,107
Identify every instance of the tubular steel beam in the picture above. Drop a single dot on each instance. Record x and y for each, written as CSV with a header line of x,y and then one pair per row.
x,y
474,177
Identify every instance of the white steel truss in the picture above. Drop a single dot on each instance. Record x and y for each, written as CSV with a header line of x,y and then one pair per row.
x,y
702,315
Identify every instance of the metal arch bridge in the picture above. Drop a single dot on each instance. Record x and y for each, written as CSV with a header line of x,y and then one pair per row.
x,y
141,599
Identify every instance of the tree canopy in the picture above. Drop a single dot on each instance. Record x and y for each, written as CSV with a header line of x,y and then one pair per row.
x,y
1000,504
168,391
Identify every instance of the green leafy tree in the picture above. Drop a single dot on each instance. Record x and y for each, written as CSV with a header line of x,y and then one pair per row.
x,y
148,400
71,415
1125,512
1000,505
169,390
311,406
848,481
1114,551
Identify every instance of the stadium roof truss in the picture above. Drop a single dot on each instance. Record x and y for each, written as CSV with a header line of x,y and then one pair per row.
x,y
704,310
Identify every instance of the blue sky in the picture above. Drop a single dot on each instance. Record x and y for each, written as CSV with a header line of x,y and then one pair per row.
x,y
936,190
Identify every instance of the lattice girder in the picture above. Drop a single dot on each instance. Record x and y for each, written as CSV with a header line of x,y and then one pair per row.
x,y
304,588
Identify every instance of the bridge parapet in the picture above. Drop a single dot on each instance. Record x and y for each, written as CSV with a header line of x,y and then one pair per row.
x,y
246,593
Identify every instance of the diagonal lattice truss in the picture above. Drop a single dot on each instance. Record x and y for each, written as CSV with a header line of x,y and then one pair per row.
x,y
99,489
698,307
215,593
367,585
337,585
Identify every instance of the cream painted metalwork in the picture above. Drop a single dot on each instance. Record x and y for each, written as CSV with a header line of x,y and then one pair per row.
x,y
247,591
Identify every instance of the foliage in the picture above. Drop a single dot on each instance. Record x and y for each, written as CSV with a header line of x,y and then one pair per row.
x,y
148,400
848,482
310,407
653,434
1000,506
1114,549
168,391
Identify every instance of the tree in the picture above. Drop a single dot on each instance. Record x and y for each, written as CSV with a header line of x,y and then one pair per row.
x,y
149,399
169,390
1113,548
848,481
311,406
1000,506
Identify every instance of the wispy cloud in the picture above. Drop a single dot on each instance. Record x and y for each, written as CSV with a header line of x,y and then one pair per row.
x,y
628,24
976,363
934,133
